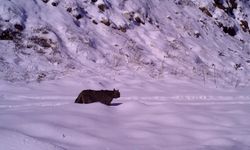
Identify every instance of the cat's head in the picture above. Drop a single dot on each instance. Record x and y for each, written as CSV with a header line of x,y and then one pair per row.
x,y
116,93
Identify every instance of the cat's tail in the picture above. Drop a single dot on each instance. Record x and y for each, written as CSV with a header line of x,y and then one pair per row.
x,y
77,100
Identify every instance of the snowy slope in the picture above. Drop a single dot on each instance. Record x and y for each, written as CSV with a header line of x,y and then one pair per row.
x,y
206,41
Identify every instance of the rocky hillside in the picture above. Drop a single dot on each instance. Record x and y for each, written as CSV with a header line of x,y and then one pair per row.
x,y
200,40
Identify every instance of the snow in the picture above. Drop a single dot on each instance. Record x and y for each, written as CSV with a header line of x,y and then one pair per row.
x,y
159,38
173,114
184,80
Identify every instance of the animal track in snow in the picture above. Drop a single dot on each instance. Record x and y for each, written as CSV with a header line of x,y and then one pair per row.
x,y
22,101
189,99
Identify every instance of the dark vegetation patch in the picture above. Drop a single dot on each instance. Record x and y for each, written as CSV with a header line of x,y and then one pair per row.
x,y
45,1
197,34
42,30
43,42
123,28
93,1
120,28
41,77
184,2
138,20
237,66
55,4
10,34
244,26
69,9
106,22
219,4
221,53
231,5
79,16
7,35
77,12
94,22
230,30
19,27
102,7
206,11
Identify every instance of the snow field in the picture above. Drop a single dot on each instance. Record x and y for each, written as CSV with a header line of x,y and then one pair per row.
x,y
190,118
130,125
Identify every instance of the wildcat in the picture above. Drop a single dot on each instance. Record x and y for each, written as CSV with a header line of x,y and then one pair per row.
x,y
91,96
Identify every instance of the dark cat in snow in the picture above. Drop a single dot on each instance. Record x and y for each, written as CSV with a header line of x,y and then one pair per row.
x,y
91,96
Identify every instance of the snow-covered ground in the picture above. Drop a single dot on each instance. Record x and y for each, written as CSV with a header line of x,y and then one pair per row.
x,y
149,115
182,67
